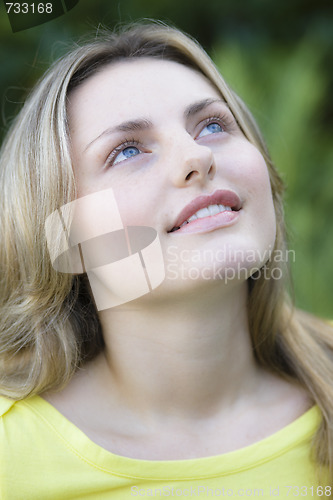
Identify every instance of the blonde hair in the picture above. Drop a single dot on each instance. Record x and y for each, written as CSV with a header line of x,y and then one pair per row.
x,y
49,325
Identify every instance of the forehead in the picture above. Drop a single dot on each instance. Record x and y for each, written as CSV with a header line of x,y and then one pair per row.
x,y
144,87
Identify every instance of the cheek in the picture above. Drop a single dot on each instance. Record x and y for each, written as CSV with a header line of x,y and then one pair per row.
x,y
263,204
133,204
252,170
257,193
260,177
252,167
130,199
259,183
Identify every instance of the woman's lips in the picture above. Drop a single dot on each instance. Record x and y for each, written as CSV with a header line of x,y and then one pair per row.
x,y
206,224
223,197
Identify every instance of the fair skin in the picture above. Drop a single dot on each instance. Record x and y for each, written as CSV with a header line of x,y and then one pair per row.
x,y
177,378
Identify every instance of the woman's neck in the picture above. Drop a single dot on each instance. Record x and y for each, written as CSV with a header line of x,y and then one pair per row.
x,y
174,372
188,357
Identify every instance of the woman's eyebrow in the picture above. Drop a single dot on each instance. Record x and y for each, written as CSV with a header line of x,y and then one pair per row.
x,y
198,106
128,126
144,123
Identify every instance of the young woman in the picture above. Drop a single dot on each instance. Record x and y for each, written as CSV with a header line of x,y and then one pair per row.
x,y
148,345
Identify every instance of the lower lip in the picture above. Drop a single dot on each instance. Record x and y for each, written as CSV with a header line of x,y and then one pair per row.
x,y
206,224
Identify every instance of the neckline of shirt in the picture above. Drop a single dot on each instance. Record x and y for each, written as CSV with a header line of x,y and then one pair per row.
x,y
298,431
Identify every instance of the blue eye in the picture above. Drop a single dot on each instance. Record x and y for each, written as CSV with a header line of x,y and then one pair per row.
x,y
211,128
127,153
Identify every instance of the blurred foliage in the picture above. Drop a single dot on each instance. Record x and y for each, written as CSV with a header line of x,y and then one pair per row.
x,y
277,55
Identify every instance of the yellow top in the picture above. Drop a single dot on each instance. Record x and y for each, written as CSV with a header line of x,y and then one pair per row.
x,y
44,456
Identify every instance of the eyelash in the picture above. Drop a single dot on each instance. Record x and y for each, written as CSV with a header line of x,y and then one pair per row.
x,y
224,120
127,143
227,122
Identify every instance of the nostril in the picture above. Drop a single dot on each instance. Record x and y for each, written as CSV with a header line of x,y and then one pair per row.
x,y
189,176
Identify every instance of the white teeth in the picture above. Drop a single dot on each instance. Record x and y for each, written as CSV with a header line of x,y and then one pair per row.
x,y
210,210
206,212
203,212
214,209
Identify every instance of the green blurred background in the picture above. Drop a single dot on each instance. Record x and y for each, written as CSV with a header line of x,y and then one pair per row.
x,y
278,55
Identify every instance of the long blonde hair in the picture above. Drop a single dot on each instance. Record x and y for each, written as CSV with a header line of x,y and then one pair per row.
x,y
48,324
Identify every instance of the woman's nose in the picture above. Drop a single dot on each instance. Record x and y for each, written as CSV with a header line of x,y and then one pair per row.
x,y
192,163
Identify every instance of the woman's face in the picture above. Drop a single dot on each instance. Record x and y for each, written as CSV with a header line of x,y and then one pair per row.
x,y
160,135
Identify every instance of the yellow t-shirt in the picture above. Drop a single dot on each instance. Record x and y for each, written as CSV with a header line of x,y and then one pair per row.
x,y
43,456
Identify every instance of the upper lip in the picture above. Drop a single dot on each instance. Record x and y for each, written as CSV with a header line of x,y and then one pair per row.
x,y
219,197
